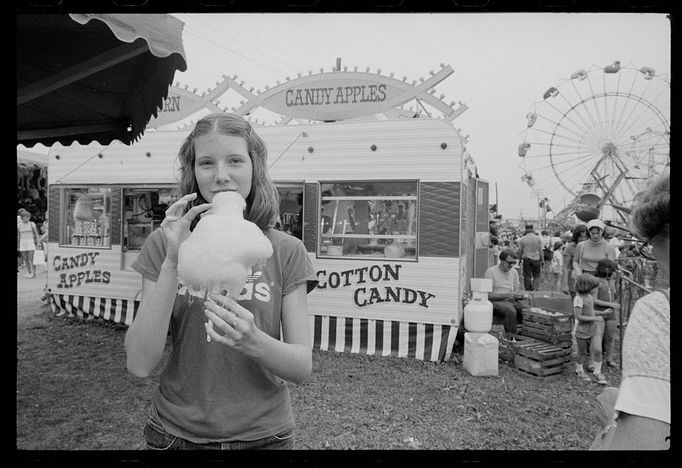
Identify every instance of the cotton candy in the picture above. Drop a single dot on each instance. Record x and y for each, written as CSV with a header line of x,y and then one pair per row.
x,y
223,248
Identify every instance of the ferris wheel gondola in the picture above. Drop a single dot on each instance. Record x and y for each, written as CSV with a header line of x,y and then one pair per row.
x,y
603,132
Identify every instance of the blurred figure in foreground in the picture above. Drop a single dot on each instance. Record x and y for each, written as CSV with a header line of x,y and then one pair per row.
x,y
637,415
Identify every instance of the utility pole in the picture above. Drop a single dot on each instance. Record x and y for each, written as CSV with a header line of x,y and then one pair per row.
x,y
542,208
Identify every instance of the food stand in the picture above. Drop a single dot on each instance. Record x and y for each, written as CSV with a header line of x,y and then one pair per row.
x,y
391,213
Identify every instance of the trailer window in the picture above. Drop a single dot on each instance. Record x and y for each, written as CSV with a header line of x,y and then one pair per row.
x,y
368,219
290,209
86,218
143,211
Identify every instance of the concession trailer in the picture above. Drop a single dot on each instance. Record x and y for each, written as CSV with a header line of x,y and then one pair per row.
x,y
391,212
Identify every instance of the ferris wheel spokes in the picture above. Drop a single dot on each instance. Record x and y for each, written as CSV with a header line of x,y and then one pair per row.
x,y
606,127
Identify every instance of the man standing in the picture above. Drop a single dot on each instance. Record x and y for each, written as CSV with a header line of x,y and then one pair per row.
x,y
506,298
530,251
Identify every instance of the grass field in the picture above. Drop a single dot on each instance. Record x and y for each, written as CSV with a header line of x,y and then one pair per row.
x,y
74,393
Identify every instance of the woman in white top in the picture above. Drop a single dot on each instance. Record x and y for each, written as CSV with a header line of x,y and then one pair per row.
x,y
27,238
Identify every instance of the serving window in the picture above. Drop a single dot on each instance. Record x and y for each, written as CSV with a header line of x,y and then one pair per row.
x,y
143,211
86,217
368,219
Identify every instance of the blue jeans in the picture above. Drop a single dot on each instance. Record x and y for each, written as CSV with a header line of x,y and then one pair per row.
x,y
157,438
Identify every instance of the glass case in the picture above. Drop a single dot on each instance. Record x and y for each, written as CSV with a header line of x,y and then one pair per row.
x,y
369,219
144,209
87,217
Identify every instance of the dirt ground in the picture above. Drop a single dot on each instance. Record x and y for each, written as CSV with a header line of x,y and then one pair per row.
x,y
74,393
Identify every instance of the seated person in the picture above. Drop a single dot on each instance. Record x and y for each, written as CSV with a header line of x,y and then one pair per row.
x,y
506,298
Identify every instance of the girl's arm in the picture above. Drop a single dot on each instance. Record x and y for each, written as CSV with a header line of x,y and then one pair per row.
x,y
290,359
577,312
602,303
146,337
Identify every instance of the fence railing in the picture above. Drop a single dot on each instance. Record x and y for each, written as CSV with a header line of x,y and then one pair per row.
x,y
636,278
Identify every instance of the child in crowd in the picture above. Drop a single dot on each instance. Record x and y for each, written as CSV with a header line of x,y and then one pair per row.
x,y
588,327
557,265
605,305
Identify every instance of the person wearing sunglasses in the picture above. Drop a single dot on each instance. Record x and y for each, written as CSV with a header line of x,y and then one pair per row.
x,y
506,297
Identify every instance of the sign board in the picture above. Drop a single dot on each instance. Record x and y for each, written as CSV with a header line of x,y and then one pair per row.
x,y
331,96
337,96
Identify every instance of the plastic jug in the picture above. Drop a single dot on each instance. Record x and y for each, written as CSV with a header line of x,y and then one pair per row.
x,y
478,313
481,352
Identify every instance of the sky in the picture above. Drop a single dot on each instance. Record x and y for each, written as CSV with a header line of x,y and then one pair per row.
x,y
502,62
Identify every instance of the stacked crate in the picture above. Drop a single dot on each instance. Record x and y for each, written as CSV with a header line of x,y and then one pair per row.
x,y
542,348
547,325
508,344
541,359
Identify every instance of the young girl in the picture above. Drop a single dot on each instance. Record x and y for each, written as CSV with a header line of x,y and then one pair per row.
x,y
229,393
557,265
588,327
605,305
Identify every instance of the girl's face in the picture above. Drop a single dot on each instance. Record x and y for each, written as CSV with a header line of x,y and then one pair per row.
x,y
582,236
25,217
595,233
222,163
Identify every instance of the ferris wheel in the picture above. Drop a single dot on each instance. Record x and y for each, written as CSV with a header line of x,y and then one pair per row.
x,y
598,136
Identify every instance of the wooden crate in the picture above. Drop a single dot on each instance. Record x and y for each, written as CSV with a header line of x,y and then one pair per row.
x,y
544,370
555,329
508,344
541,359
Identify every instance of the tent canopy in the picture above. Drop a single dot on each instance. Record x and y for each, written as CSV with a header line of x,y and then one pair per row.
x,y
85,77
29,158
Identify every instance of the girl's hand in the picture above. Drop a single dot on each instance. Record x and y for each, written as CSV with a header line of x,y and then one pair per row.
x,y
603,313
176,226
237,324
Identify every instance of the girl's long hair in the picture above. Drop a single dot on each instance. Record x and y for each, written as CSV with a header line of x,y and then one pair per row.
x,y
262,203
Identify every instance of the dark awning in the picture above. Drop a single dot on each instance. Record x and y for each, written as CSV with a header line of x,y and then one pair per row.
x,y
85,77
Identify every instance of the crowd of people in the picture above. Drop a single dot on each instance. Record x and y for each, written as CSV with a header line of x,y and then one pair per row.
x,y
636,415
580,263
550,255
